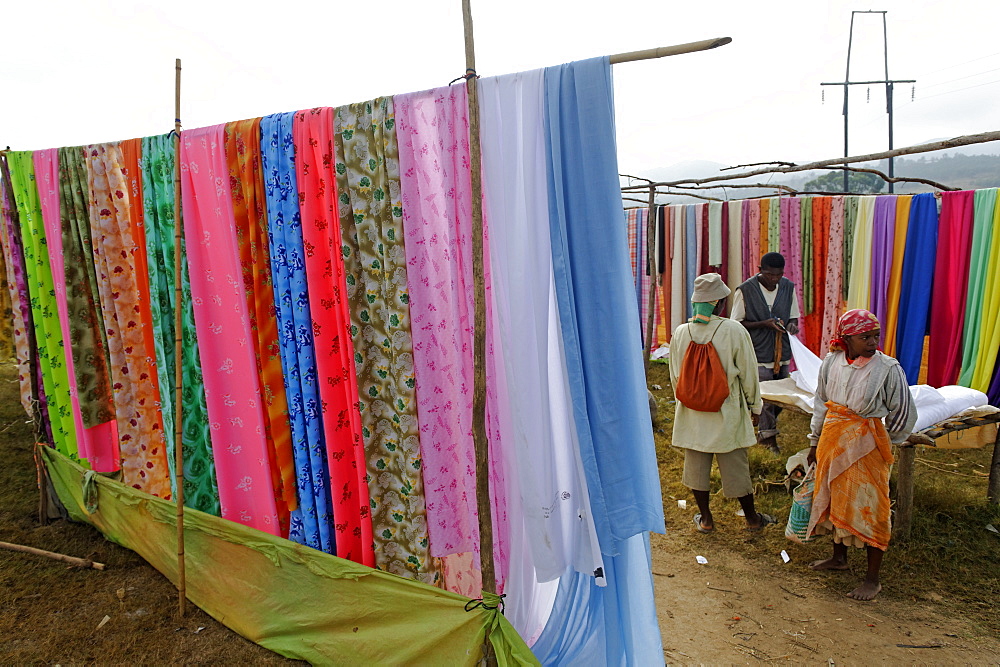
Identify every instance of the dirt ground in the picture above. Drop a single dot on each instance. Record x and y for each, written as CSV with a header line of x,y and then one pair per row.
x,y
737,609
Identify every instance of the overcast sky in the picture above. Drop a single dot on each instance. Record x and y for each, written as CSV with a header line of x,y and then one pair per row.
x,y
93,71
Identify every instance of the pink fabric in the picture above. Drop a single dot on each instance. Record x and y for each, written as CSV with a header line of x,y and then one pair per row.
x,y
791,244
331,314
432,131
834,273
99,445
232,387
752,259
951,279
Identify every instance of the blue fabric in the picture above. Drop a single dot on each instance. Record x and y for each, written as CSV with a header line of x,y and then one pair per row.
x,y
690,256
917,279
614,625
600,327
312,523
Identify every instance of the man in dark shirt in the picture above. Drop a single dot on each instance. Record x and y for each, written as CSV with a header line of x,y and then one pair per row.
x,y
767,307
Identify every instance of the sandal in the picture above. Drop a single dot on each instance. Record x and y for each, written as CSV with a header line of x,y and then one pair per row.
x,y
700,528
765,521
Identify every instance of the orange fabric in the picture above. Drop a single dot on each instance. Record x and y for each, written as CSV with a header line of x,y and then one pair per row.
x,y
244,160
853,456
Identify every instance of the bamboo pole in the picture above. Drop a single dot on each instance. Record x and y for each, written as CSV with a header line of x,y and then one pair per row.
x,y
178,351
663,51
479,328
72,560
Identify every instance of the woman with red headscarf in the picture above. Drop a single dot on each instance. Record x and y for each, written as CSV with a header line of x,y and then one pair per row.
x,y
863,406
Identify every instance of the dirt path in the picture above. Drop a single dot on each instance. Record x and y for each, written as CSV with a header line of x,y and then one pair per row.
x,y
738,610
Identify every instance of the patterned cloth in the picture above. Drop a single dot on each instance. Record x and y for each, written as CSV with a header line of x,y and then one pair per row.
x,y
852,323
371,220
140,424
232,387
323,235
14,265
249,210
312,522
157,165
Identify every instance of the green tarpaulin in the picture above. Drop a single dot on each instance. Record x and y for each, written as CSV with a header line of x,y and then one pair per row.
x,y
294,600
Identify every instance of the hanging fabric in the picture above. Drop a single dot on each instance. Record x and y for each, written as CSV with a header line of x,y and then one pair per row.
x,y
324,239
895,274
833,275
679,297
990,321
982,237
955,232
158,176
312,523
882,247
735,275
44,315
850,224
371,219
232,389
17,288
859,290
918,275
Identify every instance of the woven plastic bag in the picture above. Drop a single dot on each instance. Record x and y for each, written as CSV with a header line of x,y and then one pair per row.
x,y
797,529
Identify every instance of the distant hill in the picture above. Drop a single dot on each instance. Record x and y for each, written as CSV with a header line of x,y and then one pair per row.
x,y
961,168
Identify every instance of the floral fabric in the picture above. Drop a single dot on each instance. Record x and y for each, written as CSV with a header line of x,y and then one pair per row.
x,y
200,488
140,425
232,388
249,209
313,132
371,221
13,264
312,523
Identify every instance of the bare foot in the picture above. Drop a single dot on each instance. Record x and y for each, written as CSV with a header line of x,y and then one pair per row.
x,y
829,564
866,591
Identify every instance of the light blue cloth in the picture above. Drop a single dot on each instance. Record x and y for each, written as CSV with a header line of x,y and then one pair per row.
x,y
917,280
312,523
600,326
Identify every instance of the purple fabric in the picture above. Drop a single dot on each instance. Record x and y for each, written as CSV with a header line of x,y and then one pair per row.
x,y
883,240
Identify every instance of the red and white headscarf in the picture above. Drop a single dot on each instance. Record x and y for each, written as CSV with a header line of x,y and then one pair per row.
x,y
853,322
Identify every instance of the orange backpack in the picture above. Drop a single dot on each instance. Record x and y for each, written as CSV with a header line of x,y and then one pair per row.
x,y
702,383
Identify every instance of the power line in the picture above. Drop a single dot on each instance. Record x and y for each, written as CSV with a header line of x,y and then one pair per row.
x,y
943,83
964,63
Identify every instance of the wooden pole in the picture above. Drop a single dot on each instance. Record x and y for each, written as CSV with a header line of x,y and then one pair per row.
x,y
178,351
663,51
993,489
640,271
904,492
72,560
479,342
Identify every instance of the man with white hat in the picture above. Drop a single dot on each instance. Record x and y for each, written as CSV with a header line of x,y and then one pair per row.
x,y
713,369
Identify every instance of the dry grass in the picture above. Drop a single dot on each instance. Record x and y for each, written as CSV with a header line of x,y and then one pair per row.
x,y
50,611
950,558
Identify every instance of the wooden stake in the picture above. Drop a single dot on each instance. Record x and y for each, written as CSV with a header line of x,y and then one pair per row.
x,y
178,351
479,343
904,493
993,488
72,560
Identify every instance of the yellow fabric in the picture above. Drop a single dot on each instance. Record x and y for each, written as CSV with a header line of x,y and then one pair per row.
x,y
989,341
296,601
859,291
896,274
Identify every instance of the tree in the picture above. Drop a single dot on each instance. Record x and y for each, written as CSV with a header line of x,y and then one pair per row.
x,y
861,183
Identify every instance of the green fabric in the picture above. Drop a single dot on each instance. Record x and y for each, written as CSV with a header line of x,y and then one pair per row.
x,y
982,237
850,222
200,488
774,225
89,343
42,298
808,270
296,601
371,216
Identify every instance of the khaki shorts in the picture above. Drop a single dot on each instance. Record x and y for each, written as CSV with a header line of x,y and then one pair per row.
x,y
734,467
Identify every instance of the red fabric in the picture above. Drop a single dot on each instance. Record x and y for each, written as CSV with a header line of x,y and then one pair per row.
x,y
314,168
812,324
852,323
951,275
703,266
